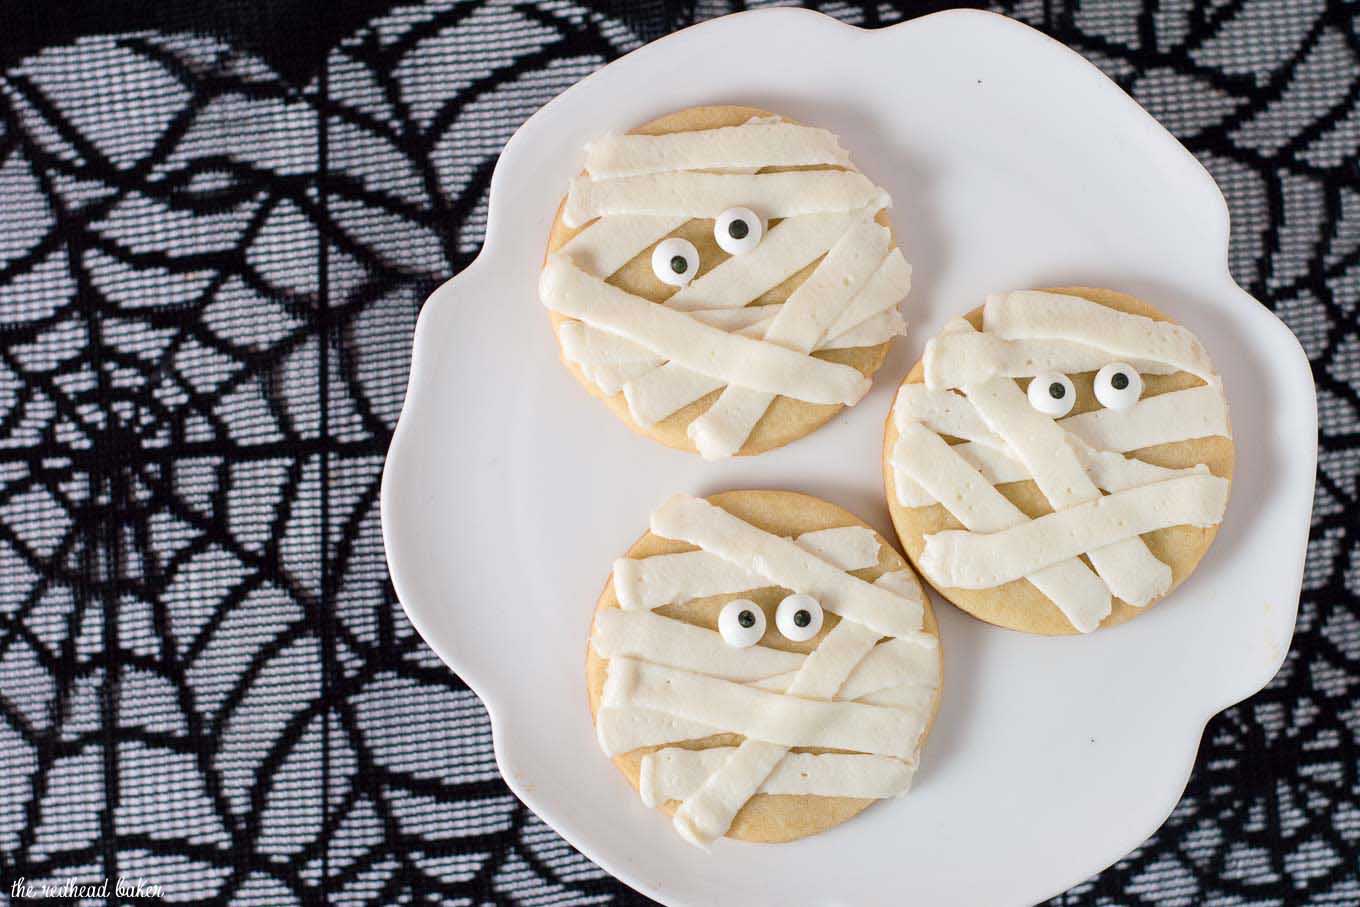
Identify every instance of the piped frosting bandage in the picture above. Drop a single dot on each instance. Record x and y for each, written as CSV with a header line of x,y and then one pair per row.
x,y
637,190
865,693
1089,550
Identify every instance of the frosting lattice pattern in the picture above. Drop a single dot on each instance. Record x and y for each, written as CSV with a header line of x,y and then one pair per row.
x,y
866,689
711,334
1102,501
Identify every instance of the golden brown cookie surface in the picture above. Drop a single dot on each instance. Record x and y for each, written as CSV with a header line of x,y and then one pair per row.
x,y
786,419
767,818
1018,604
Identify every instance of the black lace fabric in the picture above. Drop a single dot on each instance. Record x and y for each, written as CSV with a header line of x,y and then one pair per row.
x,y
217,225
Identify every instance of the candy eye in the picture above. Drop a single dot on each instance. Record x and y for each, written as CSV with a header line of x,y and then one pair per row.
x,y
741,623
738,230
1052,394
799,617
675,261
1118,385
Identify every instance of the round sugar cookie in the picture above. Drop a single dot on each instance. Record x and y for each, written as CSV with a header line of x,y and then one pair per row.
x,y
846,316
1160,453
660,668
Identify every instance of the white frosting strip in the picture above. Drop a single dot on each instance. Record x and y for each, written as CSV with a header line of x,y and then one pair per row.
x,y
1184,415
825,670
1110,471
846,547
957,359
657,394
753,145
886,287
974,560
944,412
672,578
589,346
750,320
677,774
790,246
645,583
905,584
1198,412
605,246
906,696
721,430
608,361
879,329
673,335
924,457
621,729
785,564
611,379
828,291
871,319
754,321
611,361
1098,437
800,324
830,288
891,663
759,714
676,644
1127,567
771,195
899,673
1035,315
1115,472
710,811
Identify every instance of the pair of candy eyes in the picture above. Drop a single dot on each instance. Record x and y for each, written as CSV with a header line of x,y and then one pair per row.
x,y
1117,386
675,261
742,622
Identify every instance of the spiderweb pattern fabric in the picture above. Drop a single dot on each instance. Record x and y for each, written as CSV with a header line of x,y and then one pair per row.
x,y
217,223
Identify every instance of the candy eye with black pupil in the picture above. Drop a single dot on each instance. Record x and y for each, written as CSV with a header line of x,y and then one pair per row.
x,y
1118,386
799,617
675,261
741,623
738,230
1052,394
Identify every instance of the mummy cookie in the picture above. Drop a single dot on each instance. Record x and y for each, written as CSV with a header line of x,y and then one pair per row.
x,y
724,279
762,666
1059,460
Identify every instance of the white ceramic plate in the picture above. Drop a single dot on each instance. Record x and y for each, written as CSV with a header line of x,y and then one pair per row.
x,y
1012,163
